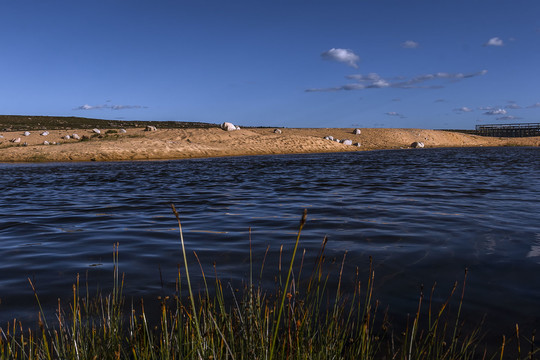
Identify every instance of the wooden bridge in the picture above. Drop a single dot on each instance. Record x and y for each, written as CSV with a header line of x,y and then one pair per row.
x,y
509,130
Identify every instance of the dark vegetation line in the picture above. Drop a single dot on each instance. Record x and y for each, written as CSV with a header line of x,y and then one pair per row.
x,y
24,123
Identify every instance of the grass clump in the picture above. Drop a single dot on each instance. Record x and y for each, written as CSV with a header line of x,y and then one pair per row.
x,y
301,319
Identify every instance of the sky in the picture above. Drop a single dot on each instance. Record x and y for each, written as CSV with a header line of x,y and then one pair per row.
x,y
288,63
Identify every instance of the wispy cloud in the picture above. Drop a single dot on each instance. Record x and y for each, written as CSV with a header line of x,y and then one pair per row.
x,y
495,112
409,44
440,100
513,106
463,109
393,113
508,118
494,41
533,106
341,55
108,106
375,81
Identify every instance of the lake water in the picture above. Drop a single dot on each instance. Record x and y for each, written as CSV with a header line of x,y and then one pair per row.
x,y
423,215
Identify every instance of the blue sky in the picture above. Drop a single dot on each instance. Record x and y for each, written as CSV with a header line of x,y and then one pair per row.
x,y
424,64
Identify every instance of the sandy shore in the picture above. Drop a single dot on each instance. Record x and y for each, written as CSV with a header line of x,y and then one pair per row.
x,y
137,144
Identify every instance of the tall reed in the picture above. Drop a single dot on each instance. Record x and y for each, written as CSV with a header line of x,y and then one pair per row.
x,y
300,319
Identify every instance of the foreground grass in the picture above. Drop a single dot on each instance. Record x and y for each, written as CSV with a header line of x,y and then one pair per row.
x,y
299,320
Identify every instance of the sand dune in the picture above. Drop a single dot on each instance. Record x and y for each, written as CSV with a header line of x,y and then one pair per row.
x,y
137,144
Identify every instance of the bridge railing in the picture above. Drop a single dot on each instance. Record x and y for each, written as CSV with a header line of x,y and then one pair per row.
x,y
509,130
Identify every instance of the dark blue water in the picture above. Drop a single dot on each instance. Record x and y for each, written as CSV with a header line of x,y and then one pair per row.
x,y
424,216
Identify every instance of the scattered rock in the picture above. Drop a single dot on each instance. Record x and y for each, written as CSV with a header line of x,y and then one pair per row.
x,y
227,126
417,144
357,144
123,131
337,140
346,142
25,144
16,141
1,136
357,131
45,133
97,131
45,142
237,127
277,131
76,137
67,137
26,133
150,128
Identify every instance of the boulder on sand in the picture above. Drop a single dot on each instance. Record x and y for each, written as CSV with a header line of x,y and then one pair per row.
x,y
346,142
357,131
150,128
277,131
417,144
227,126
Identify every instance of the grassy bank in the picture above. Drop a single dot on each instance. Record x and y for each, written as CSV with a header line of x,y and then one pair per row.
x,y
38,122
299,319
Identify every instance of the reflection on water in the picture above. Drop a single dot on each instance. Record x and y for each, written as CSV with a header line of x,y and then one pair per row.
x,y
423,215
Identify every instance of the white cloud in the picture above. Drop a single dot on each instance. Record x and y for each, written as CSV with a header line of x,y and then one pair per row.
x,y
463,109
513,106
86,107
537,105
409,44
495,112
494,41
342,55
380,84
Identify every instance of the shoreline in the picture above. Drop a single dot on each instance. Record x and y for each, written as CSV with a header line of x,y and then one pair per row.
x,y
171,144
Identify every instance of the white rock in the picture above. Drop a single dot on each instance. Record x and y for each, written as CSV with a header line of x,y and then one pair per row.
x,y
277,131
123,131
150,128
237,127
227,126
67,137
76,137
26,133
329,137
337,140
357,132
45,133
347,142
357,144
417,144
97,131
1,136
45,142
16,141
